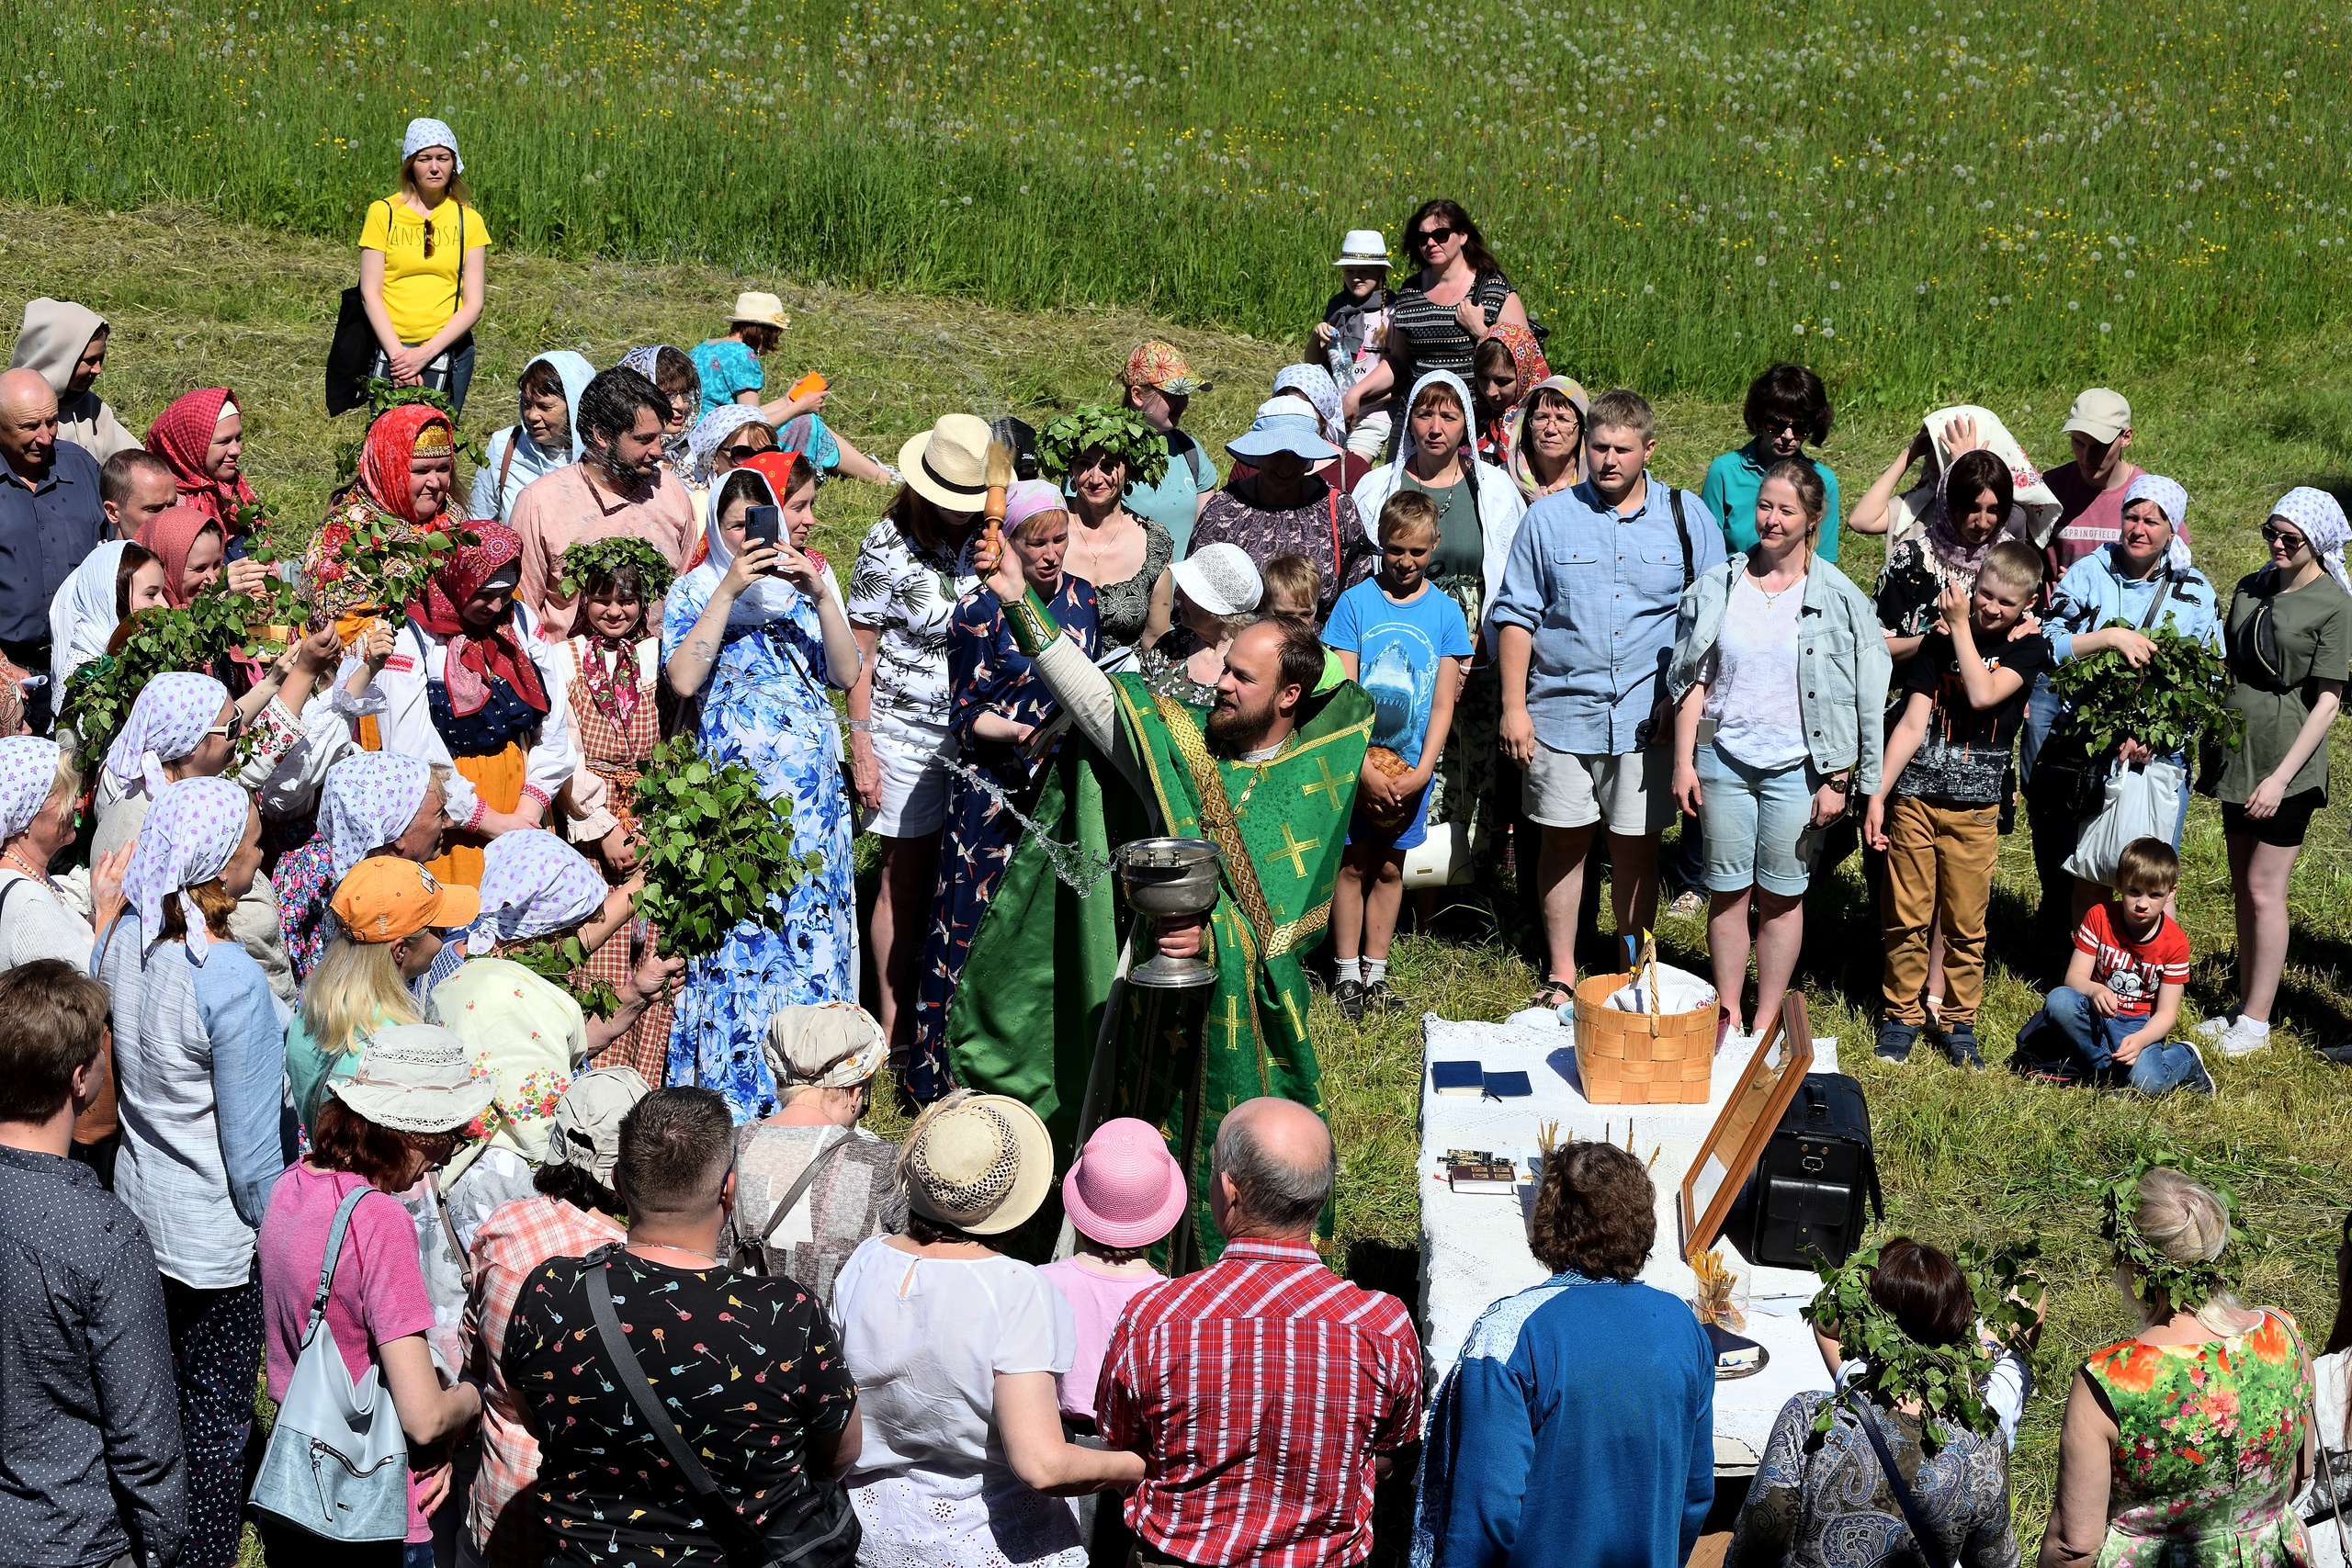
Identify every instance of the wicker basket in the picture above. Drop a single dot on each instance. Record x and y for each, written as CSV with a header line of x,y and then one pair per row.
x,y
1640,1059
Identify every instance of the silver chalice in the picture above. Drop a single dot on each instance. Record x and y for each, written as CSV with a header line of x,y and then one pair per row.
x,y
1164,878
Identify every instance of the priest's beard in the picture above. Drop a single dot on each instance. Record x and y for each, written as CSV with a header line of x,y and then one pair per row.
x,y
1234,730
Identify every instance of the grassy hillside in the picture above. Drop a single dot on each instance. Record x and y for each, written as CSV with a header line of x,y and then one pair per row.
x,y
1918,195
195,301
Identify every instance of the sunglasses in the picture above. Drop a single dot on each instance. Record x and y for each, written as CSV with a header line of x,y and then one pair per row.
x,y
1437,236
235,728
2273,535
744,453
1775,426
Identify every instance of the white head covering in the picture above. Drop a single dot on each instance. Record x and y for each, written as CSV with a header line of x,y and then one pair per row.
x,y
27,773
1469,426
531,460
81,615
1316,384
2321,517
710,433
166,722
763,602
368,800
191,831
532,883
2173,502
423,133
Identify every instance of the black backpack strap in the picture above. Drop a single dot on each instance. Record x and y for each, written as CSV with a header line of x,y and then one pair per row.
x,y
1682,531
743,1548
1929,1547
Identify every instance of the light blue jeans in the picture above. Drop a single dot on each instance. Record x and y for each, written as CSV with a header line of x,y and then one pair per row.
x,y
1752,818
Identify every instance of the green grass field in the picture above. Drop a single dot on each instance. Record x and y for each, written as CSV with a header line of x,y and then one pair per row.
x,y
195,301
1920,194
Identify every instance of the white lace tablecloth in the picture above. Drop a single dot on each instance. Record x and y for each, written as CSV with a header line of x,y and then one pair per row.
x,y
1473,1246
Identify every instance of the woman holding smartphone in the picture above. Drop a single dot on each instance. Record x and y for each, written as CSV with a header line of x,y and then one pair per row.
x,y
756,636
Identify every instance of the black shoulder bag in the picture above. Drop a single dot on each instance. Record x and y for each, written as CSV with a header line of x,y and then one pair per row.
x,y
836,1524
1931,1549
2066,775
354,349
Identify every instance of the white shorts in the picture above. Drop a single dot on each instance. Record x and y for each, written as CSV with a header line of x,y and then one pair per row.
x,y
914,787
1630,795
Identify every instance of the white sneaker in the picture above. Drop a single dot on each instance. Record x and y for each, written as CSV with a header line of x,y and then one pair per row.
x,y
2243,1038
2203,1082
2210,1031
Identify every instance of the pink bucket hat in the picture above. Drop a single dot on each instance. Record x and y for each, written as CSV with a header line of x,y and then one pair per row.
x,y
1124,1189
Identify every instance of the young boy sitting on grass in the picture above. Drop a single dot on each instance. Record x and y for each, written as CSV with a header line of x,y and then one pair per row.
x,y
2122,989
1407,645
1937,816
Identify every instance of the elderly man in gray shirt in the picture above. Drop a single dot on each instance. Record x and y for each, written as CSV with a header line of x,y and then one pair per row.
x,y
1586,625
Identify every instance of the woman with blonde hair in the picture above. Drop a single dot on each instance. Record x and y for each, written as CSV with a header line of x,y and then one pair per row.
x,y
1779,660
2183,1443
421,268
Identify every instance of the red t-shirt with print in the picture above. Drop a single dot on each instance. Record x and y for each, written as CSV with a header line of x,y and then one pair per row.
x,y
2132,970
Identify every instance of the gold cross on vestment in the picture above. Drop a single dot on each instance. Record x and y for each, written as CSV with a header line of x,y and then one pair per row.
x,y
1232,1021
1323,766
1294,851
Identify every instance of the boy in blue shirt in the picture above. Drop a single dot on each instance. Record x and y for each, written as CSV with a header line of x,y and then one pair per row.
x,y
1407,645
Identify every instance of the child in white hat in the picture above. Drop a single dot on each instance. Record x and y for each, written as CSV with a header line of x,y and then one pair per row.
x,y
1353,333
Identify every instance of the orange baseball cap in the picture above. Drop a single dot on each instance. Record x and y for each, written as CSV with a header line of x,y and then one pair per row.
x,y
384,898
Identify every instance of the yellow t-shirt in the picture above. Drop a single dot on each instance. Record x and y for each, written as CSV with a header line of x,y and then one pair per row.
x,y
420,292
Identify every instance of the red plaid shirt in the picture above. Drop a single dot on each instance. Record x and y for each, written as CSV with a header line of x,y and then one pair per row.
x,y
1258,1391
516,1239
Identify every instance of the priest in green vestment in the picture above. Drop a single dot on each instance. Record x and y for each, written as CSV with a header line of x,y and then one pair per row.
x,y
1267,773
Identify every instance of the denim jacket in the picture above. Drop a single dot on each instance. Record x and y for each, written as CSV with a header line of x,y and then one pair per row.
x,y
1842,664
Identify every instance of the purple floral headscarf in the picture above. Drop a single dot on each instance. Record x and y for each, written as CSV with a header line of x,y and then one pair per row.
x,y
191,831
532,883
166,722
370,800
27,773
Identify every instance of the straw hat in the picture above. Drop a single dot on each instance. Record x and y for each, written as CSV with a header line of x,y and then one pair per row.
x,y
760,309
586,1129
1365,247
981,1162
1124,1189
947,465
413,1077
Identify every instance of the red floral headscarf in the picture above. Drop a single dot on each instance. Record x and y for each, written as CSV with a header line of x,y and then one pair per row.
x,y
171,534
384,461
477,658
181,436
1526,354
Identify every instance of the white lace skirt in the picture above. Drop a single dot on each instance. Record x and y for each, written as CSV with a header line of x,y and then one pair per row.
x,y
921,1519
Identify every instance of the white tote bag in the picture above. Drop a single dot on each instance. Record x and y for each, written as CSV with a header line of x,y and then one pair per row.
x,y
2142,803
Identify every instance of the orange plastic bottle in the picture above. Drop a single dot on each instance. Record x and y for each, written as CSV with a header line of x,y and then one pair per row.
x,y
813,382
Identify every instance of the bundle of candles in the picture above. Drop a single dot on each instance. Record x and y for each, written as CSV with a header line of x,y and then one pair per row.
x,y
1715,1303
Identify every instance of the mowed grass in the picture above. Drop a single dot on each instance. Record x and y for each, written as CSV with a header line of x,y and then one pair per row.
x,y
1915,195
196,302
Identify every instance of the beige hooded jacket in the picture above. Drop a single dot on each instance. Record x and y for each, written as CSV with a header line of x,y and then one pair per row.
x,y
56,331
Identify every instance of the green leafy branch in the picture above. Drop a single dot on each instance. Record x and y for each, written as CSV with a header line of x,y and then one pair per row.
x,y
555,962
99,698
2173,702
716,849
1945,1379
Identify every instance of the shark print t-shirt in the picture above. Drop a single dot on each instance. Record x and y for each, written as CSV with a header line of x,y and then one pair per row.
x,y
750,1369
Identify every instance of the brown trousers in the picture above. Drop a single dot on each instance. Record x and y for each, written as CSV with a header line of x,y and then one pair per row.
x,y
1938,867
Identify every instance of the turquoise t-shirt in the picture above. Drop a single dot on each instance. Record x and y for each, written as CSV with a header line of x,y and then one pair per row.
x,y
1174,502
1400,653
309,1070
727,367
1733,480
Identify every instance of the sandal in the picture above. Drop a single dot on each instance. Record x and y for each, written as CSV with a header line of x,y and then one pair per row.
x,y
1552,996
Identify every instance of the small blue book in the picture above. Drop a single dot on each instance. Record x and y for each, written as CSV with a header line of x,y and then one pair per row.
x,y
1458,1077
1507,1086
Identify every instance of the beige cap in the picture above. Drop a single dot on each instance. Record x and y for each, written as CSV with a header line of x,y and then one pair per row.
x,y
765,309
2100,414
585,1129
825,1045
980,1162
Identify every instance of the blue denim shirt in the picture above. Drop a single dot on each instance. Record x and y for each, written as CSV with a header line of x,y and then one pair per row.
x,y
1598,590
44,533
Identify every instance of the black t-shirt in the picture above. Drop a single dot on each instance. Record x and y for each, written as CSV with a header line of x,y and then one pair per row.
x,y
1964,757
752,1370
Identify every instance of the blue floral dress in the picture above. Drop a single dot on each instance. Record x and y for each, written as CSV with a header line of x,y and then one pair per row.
x,y
988,674
764,705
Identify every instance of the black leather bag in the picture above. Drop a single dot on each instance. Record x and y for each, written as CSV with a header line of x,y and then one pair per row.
x,y
350,356
1807,1198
